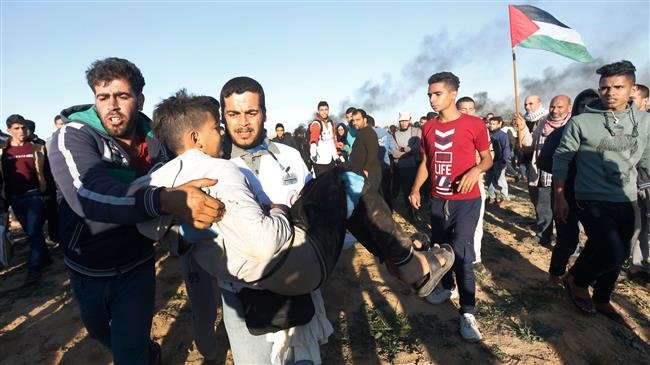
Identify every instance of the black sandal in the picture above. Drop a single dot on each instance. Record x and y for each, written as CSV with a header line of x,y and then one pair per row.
x,y
585,305
436,271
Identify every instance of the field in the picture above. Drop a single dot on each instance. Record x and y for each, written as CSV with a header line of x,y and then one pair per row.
x,y
523,319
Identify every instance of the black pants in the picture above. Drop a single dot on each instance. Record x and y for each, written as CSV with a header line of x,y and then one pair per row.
x,y
321,169
386,186
454,222
568,238
406,179
609,227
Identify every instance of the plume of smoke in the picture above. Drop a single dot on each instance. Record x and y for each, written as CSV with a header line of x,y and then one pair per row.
x,y
484,105
438,52
569,81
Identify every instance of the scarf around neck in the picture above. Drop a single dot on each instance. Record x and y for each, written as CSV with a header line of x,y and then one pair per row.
x,y
551,125
534,116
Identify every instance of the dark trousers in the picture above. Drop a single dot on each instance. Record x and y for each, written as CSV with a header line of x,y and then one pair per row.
x,y
568,238
454,222
406,179
117,311
29,209
542,200
386,186
321,169
609,227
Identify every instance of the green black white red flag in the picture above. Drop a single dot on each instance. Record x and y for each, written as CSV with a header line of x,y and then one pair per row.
x,y
532,27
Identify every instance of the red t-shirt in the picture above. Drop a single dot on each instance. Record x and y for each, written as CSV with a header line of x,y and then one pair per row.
x,y
141,161
451,151
20,169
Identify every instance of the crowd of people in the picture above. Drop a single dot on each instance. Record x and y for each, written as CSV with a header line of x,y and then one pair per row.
x,y
201,173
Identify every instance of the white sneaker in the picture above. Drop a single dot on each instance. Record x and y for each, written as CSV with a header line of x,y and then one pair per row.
x,y
439,295
454,294
469,328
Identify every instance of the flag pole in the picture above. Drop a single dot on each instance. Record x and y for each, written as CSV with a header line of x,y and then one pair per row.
x,y
514,73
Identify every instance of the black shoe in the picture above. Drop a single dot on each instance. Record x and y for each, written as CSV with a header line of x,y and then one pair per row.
x,y
33,276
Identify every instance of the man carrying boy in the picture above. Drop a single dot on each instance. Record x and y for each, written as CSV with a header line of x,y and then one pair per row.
x,y
101,149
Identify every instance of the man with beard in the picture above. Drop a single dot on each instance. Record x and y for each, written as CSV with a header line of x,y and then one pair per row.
x,y
608,142
101,149
535,112
539,181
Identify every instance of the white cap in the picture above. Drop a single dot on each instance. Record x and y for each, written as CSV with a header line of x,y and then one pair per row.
x,y
404,116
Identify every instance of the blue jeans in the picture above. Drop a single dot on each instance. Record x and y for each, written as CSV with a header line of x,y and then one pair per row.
x,y
246,348
542,199
29,209
496,177
117,311
454,222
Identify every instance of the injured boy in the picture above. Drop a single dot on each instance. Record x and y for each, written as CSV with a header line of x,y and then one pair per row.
x,y
288,251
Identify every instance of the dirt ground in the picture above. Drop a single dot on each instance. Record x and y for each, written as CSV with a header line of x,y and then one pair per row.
x,y
523,319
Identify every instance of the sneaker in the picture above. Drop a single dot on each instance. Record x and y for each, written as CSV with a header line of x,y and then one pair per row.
x,y
469,328
440,295
454,294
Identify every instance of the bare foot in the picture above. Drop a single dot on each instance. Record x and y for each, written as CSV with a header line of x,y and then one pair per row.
x,y
608,310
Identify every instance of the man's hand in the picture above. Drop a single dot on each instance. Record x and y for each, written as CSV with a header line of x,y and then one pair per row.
x,y
468,180
191,205
414,199
561,209
520,123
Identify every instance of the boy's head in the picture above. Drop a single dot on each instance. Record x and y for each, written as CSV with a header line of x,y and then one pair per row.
x,y
185,121
466,105
495,123
443,89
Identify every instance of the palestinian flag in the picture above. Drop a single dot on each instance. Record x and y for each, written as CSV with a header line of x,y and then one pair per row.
x,y
532,27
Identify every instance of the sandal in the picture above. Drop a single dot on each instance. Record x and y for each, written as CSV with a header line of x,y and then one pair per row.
x,y
436,271
586,305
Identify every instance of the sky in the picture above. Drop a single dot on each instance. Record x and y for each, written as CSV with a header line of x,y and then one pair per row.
x,y
369,54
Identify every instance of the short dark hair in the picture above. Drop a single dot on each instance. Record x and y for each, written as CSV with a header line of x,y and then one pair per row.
x,y
431,115
465,99
584,94
350,110
621,68
447,78
497,118
57,117
643,89
423,117
360,111
323,103
181,112
113,68
371,120
15,118
29,124
240,85
279,125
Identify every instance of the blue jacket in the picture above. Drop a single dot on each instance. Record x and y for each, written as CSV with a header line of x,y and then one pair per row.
x,y
386,146
98,208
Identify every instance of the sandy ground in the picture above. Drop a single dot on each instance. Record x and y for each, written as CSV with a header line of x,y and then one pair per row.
x,y
523,319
